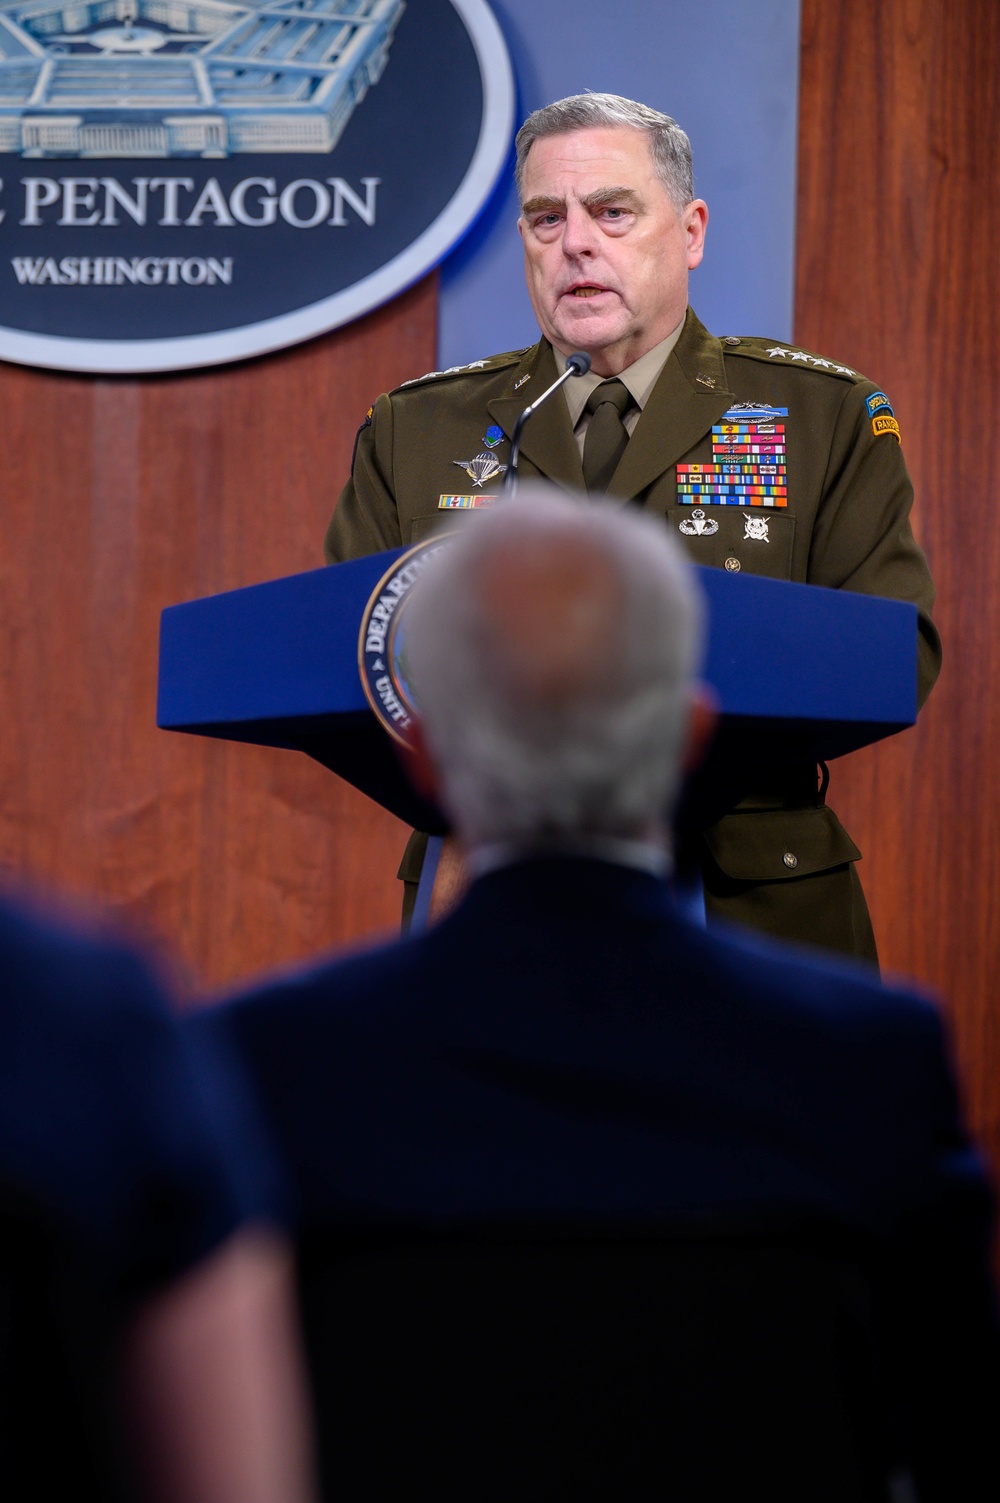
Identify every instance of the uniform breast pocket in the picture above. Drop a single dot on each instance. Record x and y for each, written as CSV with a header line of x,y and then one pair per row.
x,y
757,539
439,521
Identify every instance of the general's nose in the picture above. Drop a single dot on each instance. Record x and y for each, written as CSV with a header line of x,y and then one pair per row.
x,y
579,233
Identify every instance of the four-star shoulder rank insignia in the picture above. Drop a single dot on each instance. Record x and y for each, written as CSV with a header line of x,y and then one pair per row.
x,y
781,352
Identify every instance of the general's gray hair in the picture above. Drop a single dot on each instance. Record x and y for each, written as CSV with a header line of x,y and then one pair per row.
x,y
555,712
669,145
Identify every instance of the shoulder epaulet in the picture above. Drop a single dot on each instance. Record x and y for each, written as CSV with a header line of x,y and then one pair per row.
x,y
883,419
765,349
492,363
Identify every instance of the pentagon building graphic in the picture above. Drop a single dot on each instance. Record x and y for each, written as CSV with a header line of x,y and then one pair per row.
x,y
186,78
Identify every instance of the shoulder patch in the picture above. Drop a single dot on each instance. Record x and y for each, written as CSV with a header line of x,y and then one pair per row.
x,y
879,402
366,424
886,423
492,363
763,349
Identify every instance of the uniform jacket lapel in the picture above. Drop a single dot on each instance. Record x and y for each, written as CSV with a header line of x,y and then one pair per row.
x,y
547,441
689,397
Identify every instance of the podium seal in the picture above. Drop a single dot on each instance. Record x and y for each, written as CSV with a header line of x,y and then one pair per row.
x,y
382,662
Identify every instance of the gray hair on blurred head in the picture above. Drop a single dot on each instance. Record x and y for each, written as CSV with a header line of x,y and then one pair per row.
x,y
552,646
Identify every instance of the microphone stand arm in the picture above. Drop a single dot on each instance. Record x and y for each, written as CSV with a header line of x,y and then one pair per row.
x,y
576,365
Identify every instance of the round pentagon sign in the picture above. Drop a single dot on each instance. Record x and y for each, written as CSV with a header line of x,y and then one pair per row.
x,y
186,182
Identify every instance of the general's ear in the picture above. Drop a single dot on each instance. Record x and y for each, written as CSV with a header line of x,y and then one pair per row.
x,y
703,718
695,221
419,765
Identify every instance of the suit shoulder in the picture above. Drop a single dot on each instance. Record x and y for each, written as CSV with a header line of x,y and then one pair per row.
x,y
837,988
749,347
333,987
475,369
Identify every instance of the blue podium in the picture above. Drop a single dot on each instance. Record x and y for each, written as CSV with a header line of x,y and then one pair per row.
x,y
801,673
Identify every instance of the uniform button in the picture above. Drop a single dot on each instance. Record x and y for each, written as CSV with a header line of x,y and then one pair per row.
x,y
730,339
789,859
733,565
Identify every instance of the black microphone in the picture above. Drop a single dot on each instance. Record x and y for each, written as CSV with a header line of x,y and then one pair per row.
x,y
576,365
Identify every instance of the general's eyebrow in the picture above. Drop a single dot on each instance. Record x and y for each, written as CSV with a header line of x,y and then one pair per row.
x,y
543,205
619,195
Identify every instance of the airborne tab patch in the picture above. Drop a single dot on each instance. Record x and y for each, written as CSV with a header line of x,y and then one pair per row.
x,y
878,402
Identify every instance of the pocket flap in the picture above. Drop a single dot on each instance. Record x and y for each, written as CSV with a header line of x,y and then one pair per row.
x,y
774,845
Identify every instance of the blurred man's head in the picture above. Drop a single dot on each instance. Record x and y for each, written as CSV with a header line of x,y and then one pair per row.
x,y
552,646
610,225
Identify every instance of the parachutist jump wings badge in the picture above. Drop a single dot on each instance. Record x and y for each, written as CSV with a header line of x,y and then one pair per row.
x,y
483,468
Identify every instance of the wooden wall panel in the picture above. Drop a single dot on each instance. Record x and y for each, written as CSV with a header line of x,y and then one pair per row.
x,y
117,497
897,274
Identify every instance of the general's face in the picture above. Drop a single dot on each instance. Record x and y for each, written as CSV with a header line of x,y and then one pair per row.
x,y
606,253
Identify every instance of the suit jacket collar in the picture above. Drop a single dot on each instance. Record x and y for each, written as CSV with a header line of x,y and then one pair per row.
x,y
578,889
689,397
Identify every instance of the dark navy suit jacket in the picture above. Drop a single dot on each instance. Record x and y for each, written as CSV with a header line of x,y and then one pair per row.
x,y
127,1156
565,1046
140,1147
565,1043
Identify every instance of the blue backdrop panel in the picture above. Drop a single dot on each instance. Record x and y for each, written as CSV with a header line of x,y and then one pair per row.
x,y
728,72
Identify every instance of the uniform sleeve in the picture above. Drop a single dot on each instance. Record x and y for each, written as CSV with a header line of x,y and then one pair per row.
x,y
862,539
366,519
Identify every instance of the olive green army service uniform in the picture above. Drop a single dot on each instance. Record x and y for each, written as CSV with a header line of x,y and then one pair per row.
x,y
780,861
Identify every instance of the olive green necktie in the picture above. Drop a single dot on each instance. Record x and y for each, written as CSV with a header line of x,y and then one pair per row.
x,y
607,435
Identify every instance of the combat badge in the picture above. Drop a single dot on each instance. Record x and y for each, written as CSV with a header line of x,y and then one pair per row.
x,y
756,529
697,525
484,467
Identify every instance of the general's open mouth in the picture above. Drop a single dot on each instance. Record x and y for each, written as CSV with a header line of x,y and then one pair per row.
x,y
587,291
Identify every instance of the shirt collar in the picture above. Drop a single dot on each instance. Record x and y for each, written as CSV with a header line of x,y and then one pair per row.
x,y
640,855
640,378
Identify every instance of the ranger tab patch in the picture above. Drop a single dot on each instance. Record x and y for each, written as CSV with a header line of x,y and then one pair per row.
x,y
886,423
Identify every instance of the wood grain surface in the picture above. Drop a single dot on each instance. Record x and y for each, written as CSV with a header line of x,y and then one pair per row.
x,y
897,275
118,497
